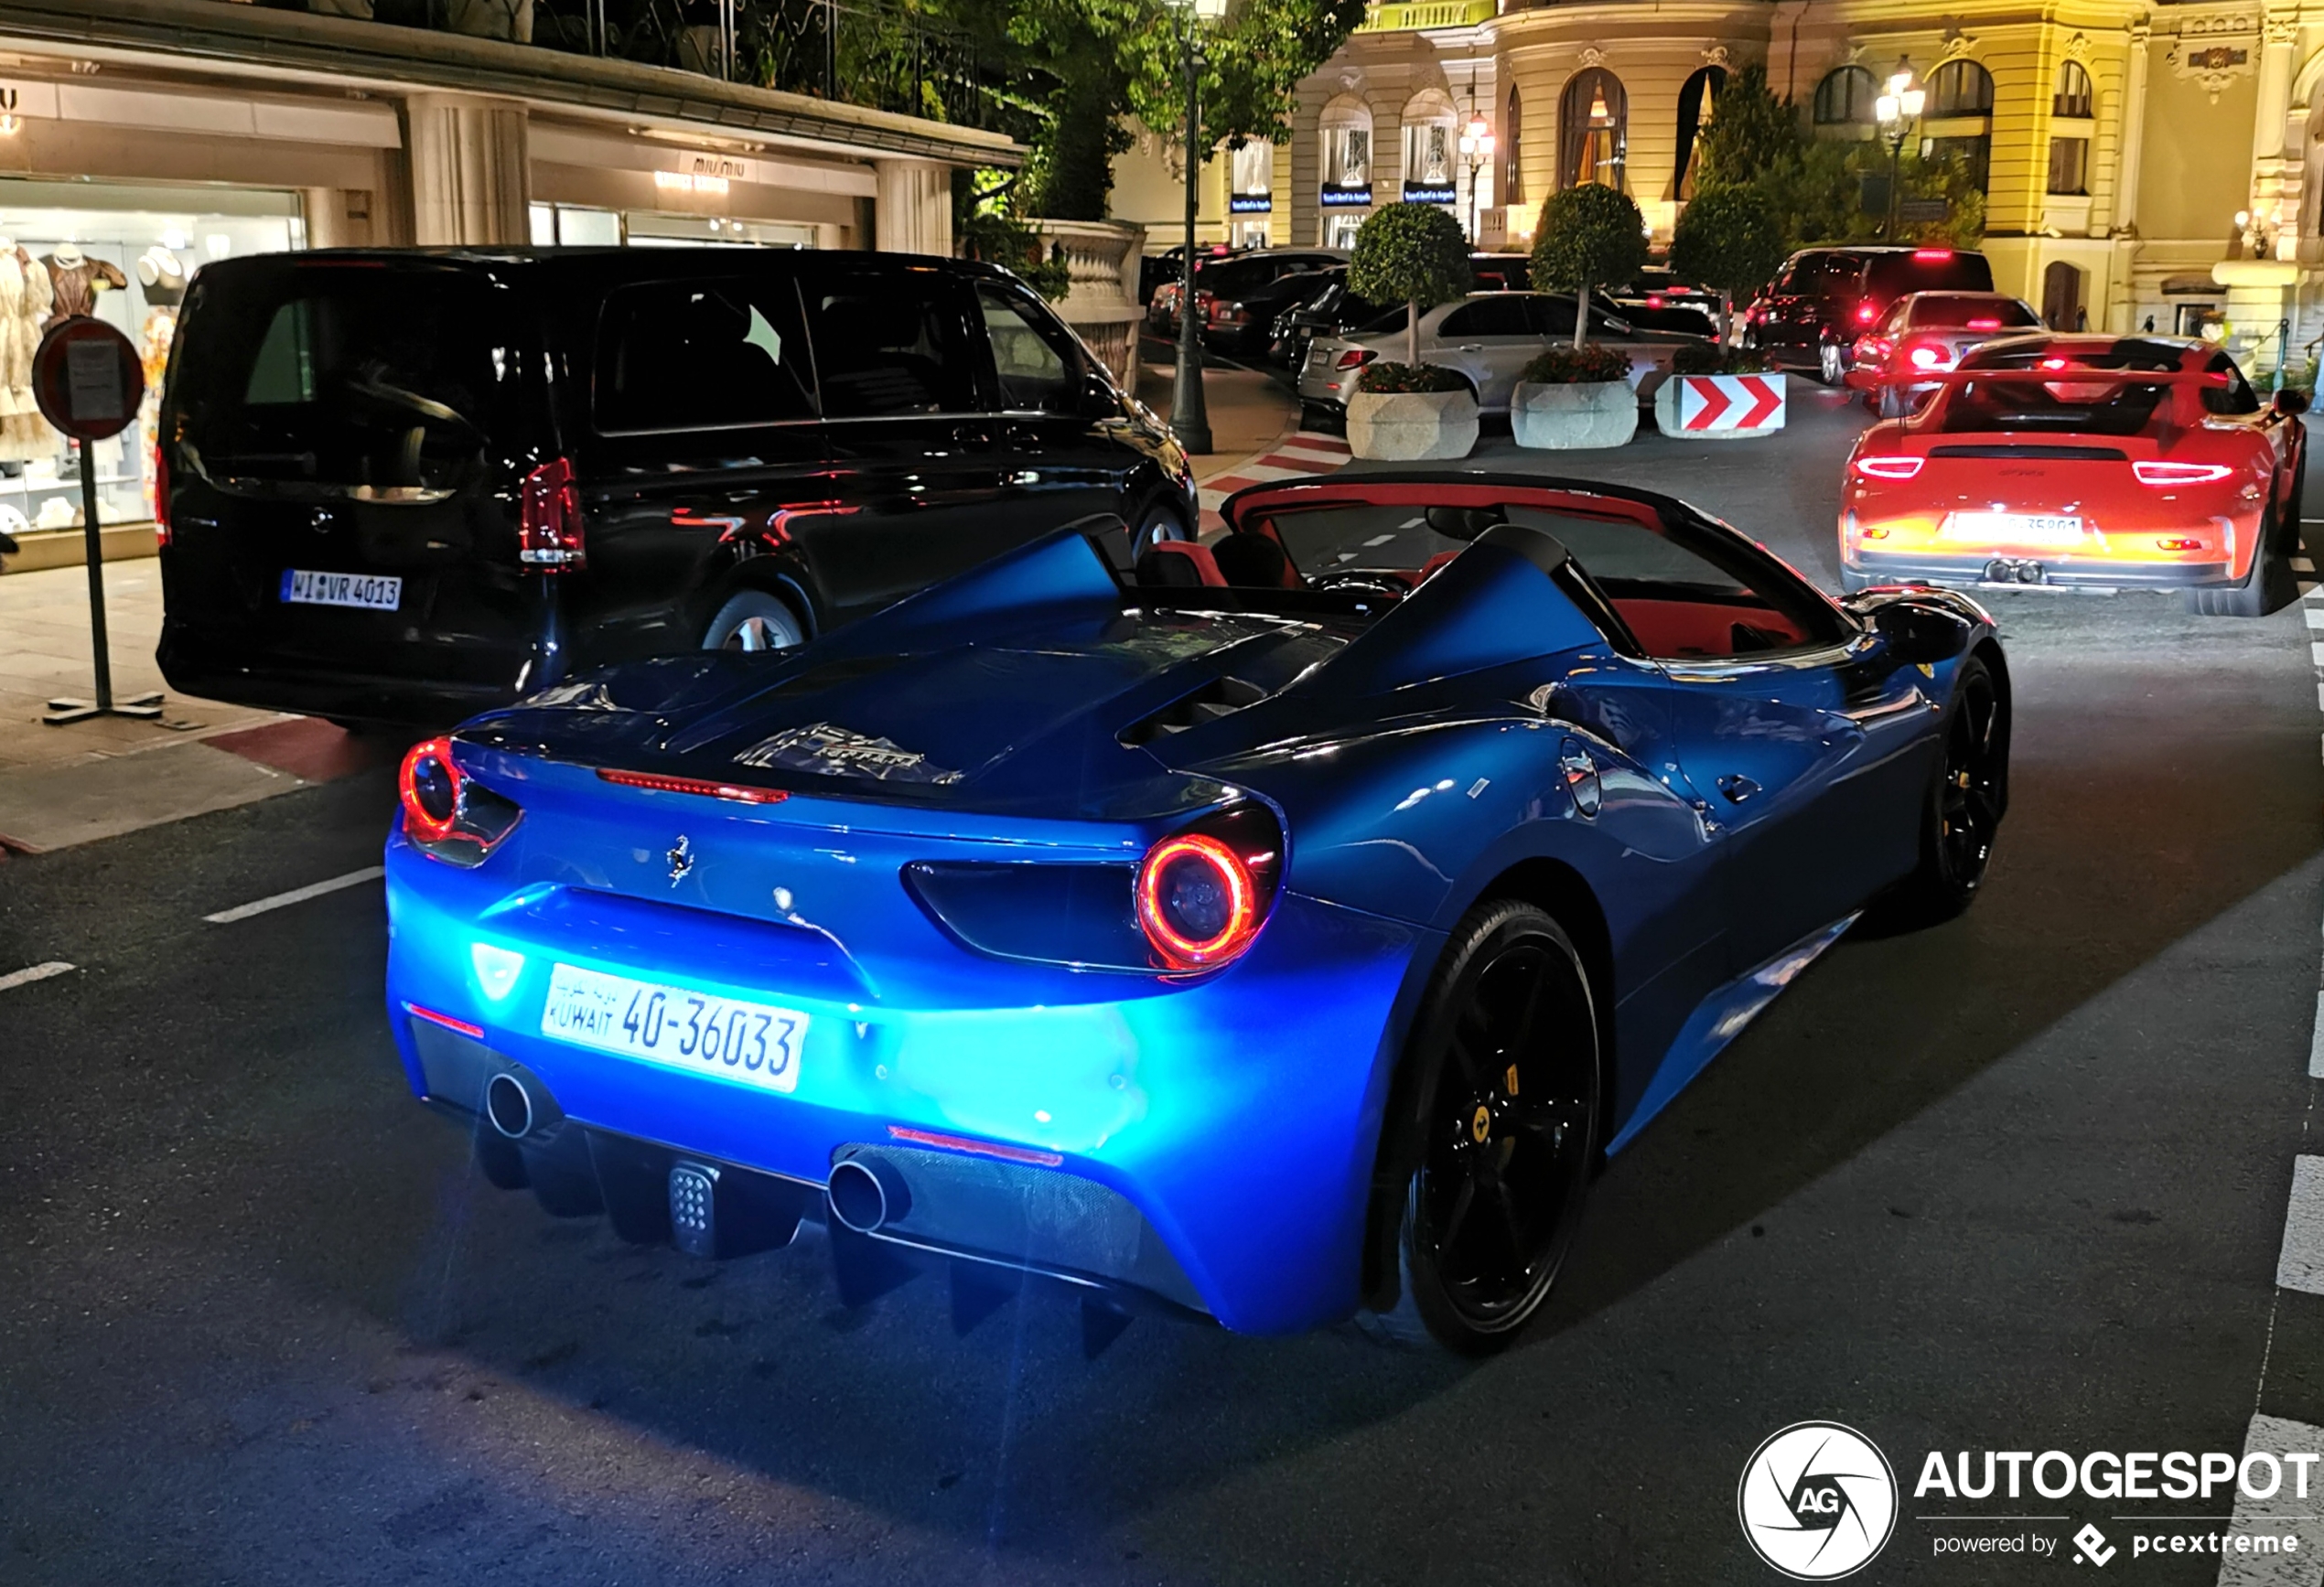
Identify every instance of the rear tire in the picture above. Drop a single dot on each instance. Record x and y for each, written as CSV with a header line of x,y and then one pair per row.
x,y
1159,524
1494,1127
1831,363
1962,816
2268,587
753,620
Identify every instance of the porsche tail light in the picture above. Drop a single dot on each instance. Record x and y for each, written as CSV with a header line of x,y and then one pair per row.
x,y
2179,473
1355,359
447,814
548,534
1890,467
1203,892
161,496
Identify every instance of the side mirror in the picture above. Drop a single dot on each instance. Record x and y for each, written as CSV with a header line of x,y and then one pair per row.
x,y
1921,635
2290,402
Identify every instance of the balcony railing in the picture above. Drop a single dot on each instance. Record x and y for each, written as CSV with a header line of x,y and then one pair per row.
x,y
877,55
1403,19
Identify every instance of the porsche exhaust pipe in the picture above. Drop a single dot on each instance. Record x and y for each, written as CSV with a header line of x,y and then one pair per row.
x,y
866,1195
509,1106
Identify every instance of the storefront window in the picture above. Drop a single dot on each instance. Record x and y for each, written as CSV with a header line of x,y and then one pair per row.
x,y
1428,162
121,255
1347,156
573,226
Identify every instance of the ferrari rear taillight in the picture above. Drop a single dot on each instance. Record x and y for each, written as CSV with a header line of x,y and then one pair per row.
x,y
548,535
1202,893
1890,467
1355,359
2179,473
447,814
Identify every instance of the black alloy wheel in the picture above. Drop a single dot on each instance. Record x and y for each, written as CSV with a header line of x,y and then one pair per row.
x,y
1963,810
1498,1129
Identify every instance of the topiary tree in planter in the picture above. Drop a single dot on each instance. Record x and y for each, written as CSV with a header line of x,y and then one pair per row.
x,y
1412,253
1730,241
1588,237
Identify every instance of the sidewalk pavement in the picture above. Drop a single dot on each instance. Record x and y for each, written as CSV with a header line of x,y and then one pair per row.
x,y
1249,410
95,779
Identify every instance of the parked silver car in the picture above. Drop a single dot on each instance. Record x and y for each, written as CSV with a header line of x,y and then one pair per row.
x,y
1489,338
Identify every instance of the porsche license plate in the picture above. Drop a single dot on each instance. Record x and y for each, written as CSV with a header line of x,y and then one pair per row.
x,y
371,592
2014,528
754,1043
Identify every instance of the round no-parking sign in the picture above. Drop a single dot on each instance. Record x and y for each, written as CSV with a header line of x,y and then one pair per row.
x,y
87,379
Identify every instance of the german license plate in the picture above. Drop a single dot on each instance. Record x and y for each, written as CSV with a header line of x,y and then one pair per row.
x,y
2014,528
372,591
753,1043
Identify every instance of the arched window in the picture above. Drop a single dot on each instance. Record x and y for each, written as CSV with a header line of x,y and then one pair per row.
x,y
1845,98
1512,132
1345,191
1431,132
1697,99
1961,88
1593,128
2072,98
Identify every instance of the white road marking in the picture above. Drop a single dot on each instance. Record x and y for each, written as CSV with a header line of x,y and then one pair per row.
x,y
1377,539
296,896
2316,652
30,974
2315,615
2300,1264
2300,564
2316,1042
2283,1513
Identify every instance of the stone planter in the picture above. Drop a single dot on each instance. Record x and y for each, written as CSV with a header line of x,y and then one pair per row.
x,y
1720,407
1575,416
1411,426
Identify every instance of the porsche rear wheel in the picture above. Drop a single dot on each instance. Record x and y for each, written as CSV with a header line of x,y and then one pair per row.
x,y
2268,587
1495,1123
1964,811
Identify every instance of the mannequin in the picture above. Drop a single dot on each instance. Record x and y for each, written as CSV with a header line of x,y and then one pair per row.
x,y
164,280
162,277
75,279
23,434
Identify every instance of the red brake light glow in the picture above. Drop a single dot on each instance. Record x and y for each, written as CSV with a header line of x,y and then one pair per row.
x,y
548,534
1196,901
1355,359
1653,300
694,785
2179,545
1892,467
474,1032
1931,255
1984,325
429,784
161,496
2053,363
2179,473
1866,313
1926,357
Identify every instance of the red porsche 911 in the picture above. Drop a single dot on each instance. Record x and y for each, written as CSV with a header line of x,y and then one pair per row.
x,y
1924,334
2100,462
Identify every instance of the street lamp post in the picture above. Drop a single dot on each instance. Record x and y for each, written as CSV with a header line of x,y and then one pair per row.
x,y
1896,111
1189,415
1476,152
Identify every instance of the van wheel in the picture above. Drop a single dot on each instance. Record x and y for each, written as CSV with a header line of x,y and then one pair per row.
x,y
754,620
1498,1130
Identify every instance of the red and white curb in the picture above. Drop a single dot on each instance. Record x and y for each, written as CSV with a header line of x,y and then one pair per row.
x,y
1308,452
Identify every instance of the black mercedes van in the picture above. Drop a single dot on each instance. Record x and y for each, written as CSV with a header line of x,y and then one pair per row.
x,y
406,486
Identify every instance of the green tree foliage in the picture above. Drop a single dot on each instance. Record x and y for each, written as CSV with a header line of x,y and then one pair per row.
x,y
1588,237
1753,133
1730,240
1415,254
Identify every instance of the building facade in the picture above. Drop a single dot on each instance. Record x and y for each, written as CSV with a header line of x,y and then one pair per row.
x,y
2143,164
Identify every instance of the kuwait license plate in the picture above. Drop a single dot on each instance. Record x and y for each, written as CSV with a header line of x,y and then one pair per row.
x,y
754,1043
372,591
2014,528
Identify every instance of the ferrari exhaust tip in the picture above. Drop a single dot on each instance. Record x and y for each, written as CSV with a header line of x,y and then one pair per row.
x,y
866,1196
509,1106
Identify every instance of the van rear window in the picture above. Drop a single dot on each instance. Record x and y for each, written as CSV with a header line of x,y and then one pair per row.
x,y
341,381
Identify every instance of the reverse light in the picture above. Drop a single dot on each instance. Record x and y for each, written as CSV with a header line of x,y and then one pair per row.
x,y
2179,473
448,815
658,783
497,969
1355,359
1197,901
1889,467
548,533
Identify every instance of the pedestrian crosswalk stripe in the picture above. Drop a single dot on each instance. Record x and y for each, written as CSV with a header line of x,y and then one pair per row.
x,y
2299,1265
2282,1513
30,974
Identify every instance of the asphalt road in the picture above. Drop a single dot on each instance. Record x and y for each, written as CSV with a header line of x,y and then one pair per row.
x,y
2014,1183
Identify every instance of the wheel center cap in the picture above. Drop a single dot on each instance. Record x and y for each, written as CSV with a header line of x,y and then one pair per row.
x,y
1481,1125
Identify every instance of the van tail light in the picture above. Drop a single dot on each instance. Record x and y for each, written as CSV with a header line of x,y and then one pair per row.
x,y
2179,473
1896,468
1355,359
1203,892
447,814
548,533
1931,255
161,496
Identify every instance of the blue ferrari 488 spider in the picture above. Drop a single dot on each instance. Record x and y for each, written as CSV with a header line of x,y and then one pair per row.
x,y
1284,930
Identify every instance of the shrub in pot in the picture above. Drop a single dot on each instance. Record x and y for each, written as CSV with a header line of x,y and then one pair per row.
x,y
1573,398
1706,359
1588,237
1410,413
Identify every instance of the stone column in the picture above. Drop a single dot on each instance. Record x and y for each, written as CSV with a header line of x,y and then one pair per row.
x,y
913,211
2133,131
2275,180
470,171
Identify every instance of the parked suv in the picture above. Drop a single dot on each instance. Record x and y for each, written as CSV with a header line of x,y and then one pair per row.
x,y
411,485
1824,299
